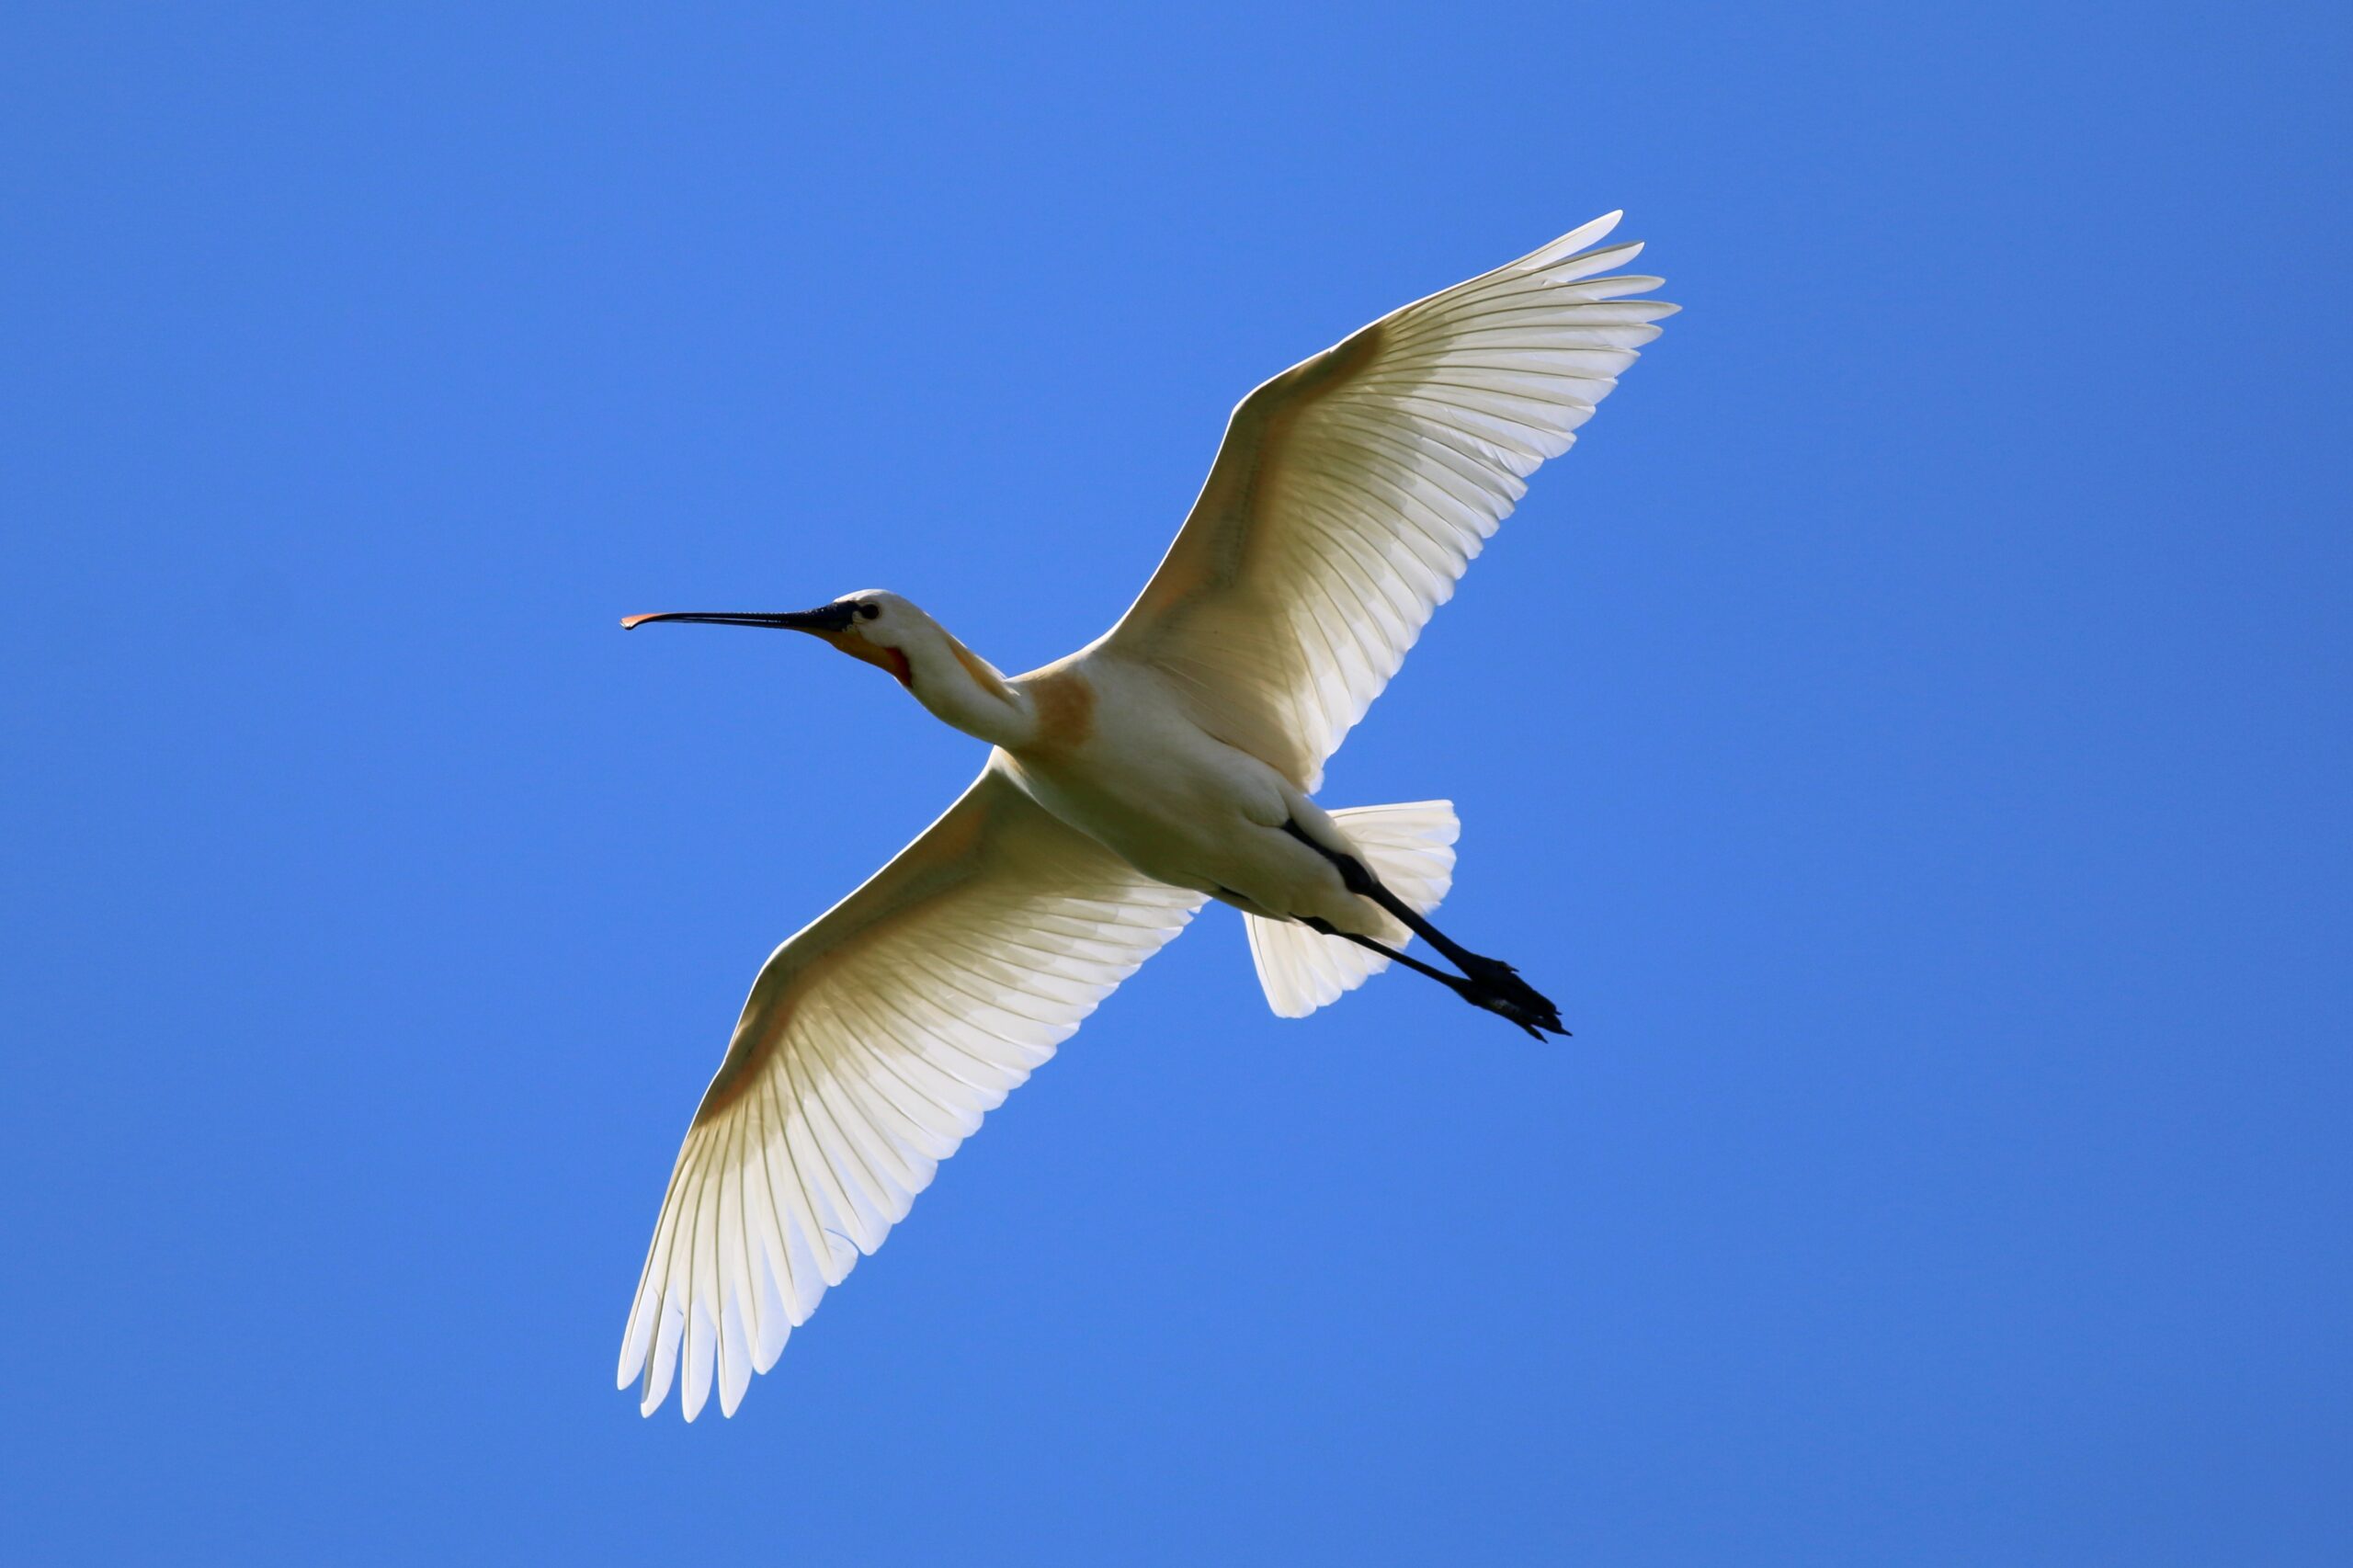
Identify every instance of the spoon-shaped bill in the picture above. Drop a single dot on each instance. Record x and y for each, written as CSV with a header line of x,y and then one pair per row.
x,y
825,619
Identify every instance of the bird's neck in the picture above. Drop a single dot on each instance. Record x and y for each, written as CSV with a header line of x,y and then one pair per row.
x,y
964,689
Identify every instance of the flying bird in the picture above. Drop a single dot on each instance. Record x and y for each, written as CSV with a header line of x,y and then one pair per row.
x,y
1169,762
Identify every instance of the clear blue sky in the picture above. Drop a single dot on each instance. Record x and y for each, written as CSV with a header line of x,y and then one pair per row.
x,y
1909,736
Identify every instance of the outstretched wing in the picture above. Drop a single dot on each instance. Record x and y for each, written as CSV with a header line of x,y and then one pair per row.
x,y
872,1045
1352,489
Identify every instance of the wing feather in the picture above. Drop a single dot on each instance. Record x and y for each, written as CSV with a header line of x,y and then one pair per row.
x,y
1353,490
871,1046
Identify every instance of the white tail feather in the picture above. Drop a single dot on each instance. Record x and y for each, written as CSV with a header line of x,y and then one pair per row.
x,y
1411,849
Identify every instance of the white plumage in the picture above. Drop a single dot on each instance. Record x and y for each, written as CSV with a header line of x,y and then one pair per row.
x,y
1168,763
1296,587
873,1042
1411,847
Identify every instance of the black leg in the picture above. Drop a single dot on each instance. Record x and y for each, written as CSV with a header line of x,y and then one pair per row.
x,y
1488,983
1470,990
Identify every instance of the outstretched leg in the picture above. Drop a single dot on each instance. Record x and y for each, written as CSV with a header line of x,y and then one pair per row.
x,y
1470,990
1487,983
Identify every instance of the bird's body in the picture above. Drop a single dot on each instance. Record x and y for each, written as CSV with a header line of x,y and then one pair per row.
x,y
1120,760
1172,761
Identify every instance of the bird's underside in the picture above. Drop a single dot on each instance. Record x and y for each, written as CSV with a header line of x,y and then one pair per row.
x,y
1171,762
1130,766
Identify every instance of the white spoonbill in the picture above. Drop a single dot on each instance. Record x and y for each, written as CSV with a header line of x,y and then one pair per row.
x,y
1168,762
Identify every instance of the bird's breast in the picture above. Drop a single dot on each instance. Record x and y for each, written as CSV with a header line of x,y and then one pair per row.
x,y
1062,704
1118,759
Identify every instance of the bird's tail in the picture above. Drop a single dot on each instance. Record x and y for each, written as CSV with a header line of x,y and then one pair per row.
x,y
1411,849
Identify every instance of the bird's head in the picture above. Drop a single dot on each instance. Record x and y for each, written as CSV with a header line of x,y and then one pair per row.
x,y
881,629
871,625
955,683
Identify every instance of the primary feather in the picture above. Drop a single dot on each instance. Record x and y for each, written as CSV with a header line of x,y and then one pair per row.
x,y
872,1043
1353,490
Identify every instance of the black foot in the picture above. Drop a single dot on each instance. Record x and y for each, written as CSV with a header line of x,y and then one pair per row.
x,y
1484,982
1496,986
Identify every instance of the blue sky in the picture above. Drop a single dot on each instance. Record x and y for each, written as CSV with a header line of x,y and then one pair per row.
x,y
1908,735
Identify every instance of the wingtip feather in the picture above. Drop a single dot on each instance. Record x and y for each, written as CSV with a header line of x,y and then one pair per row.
x,y
1568,244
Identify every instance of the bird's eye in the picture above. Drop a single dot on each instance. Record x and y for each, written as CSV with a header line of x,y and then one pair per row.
x,y
868,612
